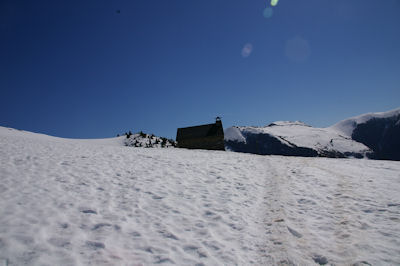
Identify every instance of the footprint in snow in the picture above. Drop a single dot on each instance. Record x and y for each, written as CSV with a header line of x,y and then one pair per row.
x,y
160,260
95,245
100,225
209,213
59,242
361,263
89,211
135,234
169,235
64,225
306,201
294,232
195,250
156,197
321,260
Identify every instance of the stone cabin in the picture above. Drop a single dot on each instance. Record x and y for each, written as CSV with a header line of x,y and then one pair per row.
x,y
206,137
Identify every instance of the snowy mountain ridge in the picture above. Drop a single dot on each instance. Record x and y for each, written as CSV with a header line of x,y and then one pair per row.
x,y
286,138
288,123
373,135
347,126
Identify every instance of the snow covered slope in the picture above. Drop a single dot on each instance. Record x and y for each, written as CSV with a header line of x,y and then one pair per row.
x,y
80,202
378,131
37,137
293,138
347,126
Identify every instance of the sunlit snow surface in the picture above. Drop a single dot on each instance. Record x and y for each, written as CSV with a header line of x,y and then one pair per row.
x,y
76,202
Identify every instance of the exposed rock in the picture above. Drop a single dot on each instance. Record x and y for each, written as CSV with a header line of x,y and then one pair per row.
x,y
382,135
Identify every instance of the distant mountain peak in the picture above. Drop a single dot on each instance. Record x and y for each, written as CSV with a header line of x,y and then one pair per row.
x,y
372,135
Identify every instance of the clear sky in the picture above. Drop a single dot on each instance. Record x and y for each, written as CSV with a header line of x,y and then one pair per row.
x,y
89,69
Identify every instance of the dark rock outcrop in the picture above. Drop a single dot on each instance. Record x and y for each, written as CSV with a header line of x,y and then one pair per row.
x,y
382,135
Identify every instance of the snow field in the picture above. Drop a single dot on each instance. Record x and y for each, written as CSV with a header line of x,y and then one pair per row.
x,y
344,210
80,202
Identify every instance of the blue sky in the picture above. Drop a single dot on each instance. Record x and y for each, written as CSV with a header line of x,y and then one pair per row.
x,y
81,69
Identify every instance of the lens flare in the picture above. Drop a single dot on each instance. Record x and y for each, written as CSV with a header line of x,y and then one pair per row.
x,y
297,49
247,49
274,2
268,12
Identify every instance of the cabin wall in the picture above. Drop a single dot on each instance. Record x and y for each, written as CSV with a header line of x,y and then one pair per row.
x,y
205,143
